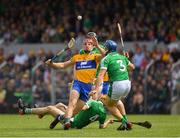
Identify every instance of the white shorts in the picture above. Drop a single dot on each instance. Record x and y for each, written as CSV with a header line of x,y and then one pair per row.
x,y
119,89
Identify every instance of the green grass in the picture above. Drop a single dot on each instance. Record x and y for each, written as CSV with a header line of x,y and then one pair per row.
x,y
31,126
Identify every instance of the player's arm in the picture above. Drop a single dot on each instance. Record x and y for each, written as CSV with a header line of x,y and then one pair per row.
x,y
59,65
87,105
106,124
131,66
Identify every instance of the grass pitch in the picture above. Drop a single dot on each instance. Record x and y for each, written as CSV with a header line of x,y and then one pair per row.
x,y
31,126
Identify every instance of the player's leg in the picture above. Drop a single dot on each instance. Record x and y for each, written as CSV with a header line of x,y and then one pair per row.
x,y
84,97
120,104
61,106
121,108
80,92
74,96
78,107
120,90
112,106
38,111
116,92
57,113
24,110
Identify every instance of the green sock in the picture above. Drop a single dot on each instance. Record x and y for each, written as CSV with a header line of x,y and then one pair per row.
x,y
66,120
125,117
28,111
123,121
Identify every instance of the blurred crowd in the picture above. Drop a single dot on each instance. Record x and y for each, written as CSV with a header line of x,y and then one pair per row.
x,y
154,85
25,76
50,21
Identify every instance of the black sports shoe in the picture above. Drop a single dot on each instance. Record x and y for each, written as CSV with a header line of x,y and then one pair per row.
x,y
125,126
21,107
54,123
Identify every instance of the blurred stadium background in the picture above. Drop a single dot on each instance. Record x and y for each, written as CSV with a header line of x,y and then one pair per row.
x,y
32,31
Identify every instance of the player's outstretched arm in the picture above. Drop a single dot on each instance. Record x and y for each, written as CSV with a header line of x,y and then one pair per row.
x,y
106,124
59,65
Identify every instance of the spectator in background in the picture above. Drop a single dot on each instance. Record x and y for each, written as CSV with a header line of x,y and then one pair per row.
x,y
10,99
175,54
138,100
2,96
20,57
1,55
138,58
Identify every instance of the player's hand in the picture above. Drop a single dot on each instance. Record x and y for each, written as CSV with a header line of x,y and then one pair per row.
x,y
93,92
95,41
111,121
48,62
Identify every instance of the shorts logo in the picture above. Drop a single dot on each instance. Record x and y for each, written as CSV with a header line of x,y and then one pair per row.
x,y
91,64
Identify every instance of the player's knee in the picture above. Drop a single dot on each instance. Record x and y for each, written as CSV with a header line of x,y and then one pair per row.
x,y
59,105
49,108
120,103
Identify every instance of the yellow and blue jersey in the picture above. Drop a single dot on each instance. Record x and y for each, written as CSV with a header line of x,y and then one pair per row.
x,y
85,66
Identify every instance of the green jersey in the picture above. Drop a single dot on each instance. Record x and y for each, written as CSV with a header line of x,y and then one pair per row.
x,y
116,66
95,112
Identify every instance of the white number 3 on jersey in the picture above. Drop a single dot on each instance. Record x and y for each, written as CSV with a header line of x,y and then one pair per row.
x,y
122,66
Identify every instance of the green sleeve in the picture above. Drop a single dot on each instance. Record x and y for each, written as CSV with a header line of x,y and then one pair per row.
x,y
89,103
104,63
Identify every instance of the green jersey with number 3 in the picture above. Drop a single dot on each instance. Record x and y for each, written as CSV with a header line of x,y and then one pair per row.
x,y
95,112
116,66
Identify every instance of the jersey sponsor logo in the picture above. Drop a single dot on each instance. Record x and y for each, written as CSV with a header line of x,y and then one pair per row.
x,y
91,64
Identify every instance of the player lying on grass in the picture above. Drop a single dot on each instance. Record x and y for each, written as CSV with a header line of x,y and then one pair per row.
x,y
92,111
116,66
